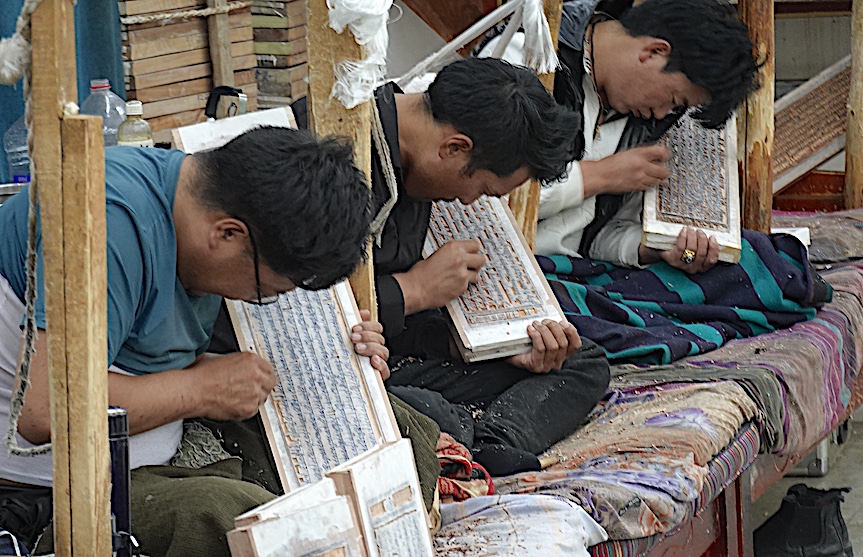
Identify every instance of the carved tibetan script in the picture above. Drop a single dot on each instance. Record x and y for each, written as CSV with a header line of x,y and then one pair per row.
x,y
702,190
327,407
491,317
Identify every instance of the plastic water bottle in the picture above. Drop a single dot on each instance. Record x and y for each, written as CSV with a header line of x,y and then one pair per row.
x,y
15,144
135,131
103,102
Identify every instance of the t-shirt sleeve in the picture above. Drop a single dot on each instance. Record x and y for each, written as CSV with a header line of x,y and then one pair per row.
x,y
125,281
125,262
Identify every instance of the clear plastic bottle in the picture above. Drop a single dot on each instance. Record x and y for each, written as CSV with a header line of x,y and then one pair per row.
x,y
15,144
135,131
103,102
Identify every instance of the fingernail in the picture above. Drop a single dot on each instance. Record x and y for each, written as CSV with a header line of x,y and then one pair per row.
x,y
356,336
361,346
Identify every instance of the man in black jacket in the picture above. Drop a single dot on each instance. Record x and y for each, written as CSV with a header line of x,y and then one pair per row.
x,y
483,127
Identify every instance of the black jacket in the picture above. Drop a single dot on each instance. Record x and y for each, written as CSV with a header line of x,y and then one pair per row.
x,y
405,230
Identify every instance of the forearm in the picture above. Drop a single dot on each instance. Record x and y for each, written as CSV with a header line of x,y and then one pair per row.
x,y
156,399
151,400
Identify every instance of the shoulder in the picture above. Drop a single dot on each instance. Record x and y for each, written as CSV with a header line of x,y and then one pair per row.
x,y
140,184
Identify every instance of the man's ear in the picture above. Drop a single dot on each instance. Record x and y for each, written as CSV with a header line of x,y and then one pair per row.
x,y
653,47
457,144
228,231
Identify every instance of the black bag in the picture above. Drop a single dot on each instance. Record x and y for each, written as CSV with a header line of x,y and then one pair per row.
x,y
808,523
25,512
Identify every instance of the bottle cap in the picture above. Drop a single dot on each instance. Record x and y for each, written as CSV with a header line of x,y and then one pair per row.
x,y
134,108
99,84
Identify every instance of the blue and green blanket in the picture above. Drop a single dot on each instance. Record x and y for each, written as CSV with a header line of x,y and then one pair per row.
x,y
660,314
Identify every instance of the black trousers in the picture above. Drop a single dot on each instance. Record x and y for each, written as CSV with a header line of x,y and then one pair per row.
x,y
494,402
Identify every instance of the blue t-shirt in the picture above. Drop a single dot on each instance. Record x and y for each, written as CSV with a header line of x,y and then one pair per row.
x,y
153,323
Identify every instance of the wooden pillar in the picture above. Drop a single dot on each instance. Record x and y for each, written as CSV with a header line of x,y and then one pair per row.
x,y
524,200
68,159
757,183
220,45
854,137
327,116
736,506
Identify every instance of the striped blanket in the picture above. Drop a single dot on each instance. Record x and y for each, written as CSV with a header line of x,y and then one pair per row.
x,y
659,314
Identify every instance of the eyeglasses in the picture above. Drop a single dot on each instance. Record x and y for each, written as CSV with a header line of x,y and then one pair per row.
x,y
262,300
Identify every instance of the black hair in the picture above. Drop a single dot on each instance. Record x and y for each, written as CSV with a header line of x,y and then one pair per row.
x,y
709,44
510,117
307,205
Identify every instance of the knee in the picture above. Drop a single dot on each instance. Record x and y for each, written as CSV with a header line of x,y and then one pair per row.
x,y
202,509
216,507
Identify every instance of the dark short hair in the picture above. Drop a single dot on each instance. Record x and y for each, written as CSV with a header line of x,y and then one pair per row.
x,y
709,44
306,203
510,117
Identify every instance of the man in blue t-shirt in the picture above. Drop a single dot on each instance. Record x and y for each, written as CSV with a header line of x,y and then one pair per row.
x,y
271,210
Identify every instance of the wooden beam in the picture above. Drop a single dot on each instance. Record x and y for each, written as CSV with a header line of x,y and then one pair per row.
x,y
450,20
86,334
757,183
327,116
524,200
80,509
218,28
854,133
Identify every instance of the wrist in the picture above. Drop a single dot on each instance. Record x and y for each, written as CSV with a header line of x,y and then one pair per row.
x,y
410,292
196,396
647,256
594,179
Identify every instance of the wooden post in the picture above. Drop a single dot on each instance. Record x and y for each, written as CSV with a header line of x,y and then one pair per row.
x,y
327,116
854,133
524,200
72,214
220,45
758,138
85,266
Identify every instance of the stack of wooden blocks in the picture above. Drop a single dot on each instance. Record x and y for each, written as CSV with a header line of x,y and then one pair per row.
x,y
167,63
281,49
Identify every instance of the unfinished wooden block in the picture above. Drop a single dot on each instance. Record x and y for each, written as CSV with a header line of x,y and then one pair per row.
x,y
277,21
490,320
281,48
280,9
311,522
702,192
281,61
370,506
280,35
384,488
185,88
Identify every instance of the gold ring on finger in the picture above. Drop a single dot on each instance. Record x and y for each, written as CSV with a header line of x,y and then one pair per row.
x,y
688,256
